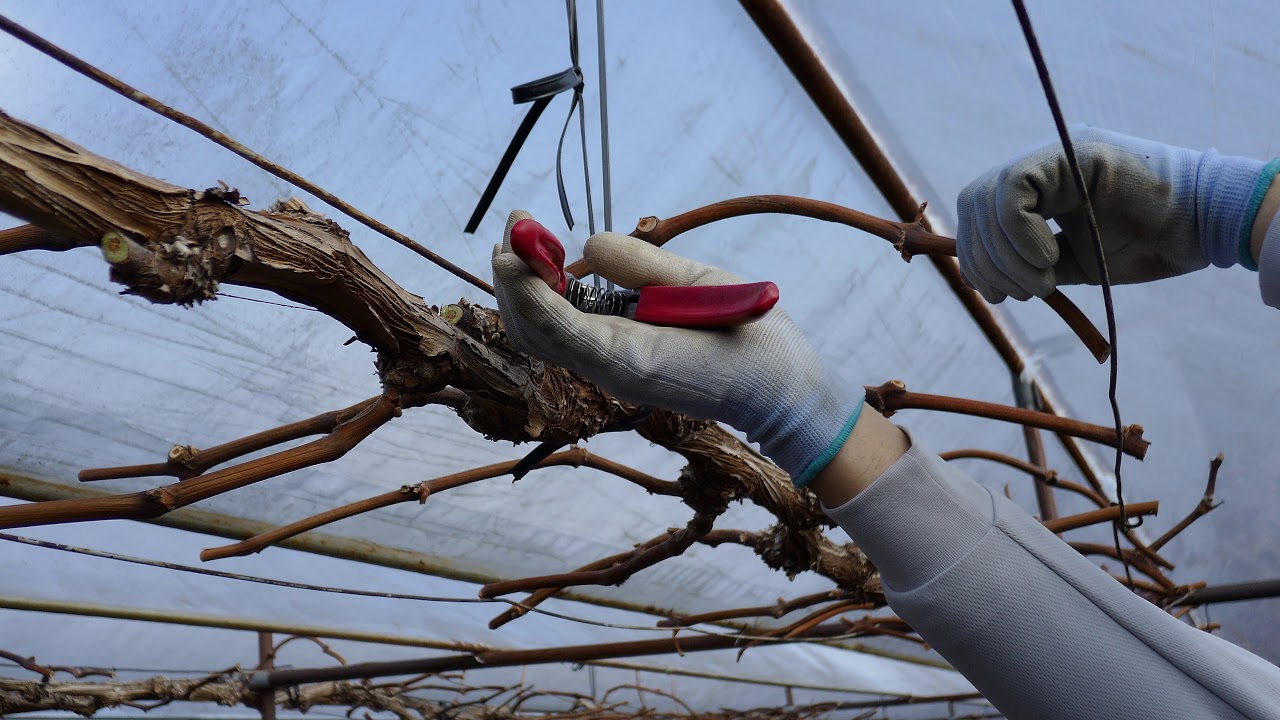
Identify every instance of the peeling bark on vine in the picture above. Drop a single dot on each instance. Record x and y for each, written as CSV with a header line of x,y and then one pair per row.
x,y
177,245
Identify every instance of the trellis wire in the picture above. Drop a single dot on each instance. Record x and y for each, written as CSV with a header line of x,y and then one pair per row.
x,y
103,554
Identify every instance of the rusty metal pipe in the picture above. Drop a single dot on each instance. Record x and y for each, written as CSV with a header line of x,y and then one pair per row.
x,y
780,30
266,661
782,33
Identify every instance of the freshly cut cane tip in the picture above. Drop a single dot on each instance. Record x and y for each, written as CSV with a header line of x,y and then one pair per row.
x,y
541,251
115,247
451,314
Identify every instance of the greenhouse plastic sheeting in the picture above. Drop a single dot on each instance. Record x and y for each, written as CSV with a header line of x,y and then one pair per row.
x,y
403,109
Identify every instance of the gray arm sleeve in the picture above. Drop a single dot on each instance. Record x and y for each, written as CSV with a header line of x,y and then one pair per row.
x,y
1269,264
1037,628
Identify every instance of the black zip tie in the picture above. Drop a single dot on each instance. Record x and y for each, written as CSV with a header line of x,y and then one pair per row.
x,y
540,92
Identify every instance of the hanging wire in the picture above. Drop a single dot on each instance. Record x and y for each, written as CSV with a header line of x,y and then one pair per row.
x,y
1104,277
571,9
606,180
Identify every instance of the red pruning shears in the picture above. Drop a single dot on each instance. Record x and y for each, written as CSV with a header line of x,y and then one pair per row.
x,y
710,306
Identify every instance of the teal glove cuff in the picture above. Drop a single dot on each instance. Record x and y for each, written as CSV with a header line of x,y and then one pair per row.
x,y
820,463
1260,188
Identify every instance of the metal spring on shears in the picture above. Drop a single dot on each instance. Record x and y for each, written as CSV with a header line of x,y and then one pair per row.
x,y
596,301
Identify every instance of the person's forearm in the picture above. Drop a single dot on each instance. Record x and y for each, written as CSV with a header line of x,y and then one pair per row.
x,y
1266,214
873,446
1040,630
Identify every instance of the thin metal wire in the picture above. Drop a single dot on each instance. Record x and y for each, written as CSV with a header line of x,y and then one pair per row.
x,y
228,575
48,545
128,91
606,180
571,9
268,302
1104,276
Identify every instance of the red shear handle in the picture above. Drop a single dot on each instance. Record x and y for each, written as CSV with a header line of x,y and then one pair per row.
x,y
710,306
541,251
705,306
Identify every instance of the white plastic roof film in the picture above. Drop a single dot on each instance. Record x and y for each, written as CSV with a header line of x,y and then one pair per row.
x,y
403,109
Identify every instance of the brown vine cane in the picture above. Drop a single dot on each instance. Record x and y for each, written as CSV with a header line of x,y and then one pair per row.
x,y
910,239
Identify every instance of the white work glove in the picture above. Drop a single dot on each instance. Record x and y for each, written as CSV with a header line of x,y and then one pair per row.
x,y
1161,211
762,378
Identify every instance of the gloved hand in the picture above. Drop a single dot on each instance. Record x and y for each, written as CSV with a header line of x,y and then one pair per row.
x,y
1161,210
762,378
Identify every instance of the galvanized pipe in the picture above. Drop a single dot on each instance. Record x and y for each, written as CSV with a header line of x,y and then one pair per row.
x,y
261,681
1235,592
1027,395
67,607
336,546
266,661
211,523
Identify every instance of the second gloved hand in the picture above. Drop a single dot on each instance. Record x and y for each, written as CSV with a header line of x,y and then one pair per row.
x,y
1161,211
762,378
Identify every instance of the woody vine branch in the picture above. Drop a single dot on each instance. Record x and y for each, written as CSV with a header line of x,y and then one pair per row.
x,y
175,245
